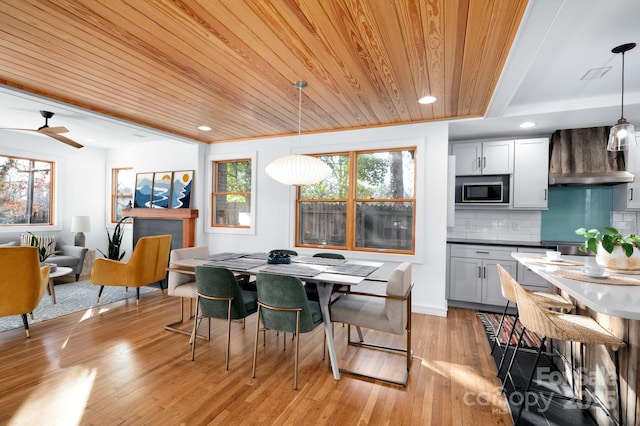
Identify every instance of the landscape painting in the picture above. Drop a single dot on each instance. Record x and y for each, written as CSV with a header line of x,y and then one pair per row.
x,y
144,186
181,189
161,190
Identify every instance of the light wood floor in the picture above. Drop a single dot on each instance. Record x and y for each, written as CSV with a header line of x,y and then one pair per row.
x,y
117,365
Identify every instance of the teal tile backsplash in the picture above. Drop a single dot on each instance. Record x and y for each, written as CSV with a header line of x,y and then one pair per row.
x,y
573,207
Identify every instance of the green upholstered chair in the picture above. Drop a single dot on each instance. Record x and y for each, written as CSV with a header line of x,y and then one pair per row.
x,y
312,288
219,296
283,306
388,311
328,255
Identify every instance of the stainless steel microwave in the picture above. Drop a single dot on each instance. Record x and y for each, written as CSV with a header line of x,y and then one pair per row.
x,y
484,192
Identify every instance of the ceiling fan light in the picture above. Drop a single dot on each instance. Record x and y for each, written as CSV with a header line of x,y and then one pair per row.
x,y
622,136
298,170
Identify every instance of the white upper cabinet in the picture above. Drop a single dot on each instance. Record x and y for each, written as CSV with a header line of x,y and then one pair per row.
x,y
483,158
531,174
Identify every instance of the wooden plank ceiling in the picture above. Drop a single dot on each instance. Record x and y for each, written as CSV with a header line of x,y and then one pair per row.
x,y
230,64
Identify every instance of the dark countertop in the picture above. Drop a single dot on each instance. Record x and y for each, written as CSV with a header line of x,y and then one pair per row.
x,y
533,244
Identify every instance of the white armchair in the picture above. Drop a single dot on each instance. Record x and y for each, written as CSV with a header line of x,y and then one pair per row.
x,y
387,311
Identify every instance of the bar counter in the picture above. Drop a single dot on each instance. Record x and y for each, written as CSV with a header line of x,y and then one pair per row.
x,y
615,307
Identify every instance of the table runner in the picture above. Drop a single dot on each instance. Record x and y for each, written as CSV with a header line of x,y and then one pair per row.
x,y
611,279
220,256
318,260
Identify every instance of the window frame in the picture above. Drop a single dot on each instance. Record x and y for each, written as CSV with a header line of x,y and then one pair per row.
x,y
209,204
352,200
53,194
114,191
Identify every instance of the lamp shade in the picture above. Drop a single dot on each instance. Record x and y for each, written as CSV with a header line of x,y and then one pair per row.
x,y
298,170
622,136
80,224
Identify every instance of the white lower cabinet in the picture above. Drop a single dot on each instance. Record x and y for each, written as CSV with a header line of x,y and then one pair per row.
x,y
473,273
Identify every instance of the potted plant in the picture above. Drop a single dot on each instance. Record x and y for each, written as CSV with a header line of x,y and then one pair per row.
x,y
43,251
612,250
115,241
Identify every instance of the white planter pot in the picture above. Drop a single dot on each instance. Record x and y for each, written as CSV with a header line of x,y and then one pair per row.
x,y
617,259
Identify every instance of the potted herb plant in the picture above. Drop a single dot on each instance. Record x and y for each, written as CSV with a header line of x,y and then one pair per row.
x,y
612,250
115,241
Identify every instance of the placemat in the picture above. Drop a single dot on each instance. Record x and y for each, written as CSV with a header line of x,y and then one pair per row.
x,y
262,256
561,262
295,270
239,264
355,270
220,256
611,279
318,260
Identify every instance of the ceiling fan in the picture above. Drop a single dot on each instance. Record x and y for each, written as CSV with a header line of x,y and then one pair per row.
x,y
53,132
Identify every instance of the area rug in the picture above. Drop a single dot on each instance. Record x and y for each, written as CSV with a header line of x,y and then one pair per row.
x,y
491,322
72,297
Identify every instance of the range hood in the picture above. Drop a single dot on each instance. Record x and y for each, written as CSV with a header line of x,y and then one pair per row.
x,y
580,157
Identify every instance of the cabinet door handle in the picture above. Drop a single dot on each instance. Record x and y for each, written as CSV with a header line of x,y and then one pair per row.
x,y
484,272
482,252
479,165
545,194
630,194
484,162
479,271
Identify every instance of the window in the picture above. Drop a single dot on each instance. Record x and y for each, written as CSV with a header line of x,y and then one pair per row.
x,y
367,203
121,191
26,191
231,195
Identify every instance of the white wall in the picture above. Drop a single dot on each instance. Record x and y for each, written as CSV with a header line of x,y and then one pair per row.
x,y
275,203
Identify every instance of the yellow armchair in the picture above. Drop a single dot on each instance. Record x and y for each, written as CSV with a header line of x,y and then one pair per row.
x,y
22,282
147,265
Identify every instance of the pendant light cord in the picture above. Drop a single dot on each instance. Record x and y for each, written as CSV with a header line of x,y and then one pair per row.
x,y
622,101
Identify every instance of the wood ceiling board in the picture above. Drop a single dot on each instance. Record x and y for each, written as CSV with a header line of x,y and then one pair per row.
x,y
230,64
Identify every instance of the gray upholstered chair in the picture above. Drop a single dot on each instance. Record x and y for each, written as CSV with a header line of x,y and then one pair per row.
x,y
71,257
283,306
387,311
220,296
182,283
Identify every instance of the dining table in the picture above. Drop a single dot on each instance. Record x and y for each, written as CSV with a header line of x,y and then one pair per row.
x,y
324,272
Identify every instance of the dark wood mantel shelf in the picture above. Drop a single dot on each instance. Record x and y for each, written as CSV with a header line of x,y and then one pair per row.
x,y
187,216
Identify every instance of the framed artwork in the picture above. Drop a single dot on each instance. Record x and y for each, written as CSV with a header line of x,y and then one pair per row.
x,y
163,190
181,189
142,195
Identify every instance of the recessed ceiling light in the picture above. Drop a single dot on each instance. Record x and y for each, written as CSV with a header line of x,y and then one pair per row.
x,y
427,100
527,124
204,128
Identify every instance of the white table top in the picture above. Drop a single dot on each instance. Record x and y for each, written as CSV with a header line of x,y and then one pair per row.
x,y
621,301
60,271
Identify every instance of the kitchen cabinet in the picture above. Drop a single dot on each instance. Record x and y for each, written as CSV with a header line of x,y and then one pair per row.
x,y
528,278
483,158
626,196
531,174
473,273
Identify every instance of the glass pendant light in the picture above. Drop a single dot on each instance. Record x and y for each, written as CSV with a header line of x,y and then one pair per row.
x,y
298,169
623,135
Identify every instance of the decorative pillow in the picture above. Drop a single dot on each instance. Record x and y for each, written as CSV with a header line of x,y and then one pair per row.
x,y
43,241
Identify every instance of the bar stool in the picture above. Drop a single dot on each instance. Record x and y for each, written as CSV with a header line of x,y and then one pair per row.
x,y
568,327
547,300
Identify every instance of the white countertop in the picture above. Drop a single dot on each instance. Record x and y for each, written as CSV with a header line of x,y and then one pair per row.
x,y
616,300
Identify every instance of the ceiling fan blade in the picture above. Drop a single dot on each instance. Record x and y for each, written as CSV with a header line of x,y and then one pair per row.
x,y
63,139
58,129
